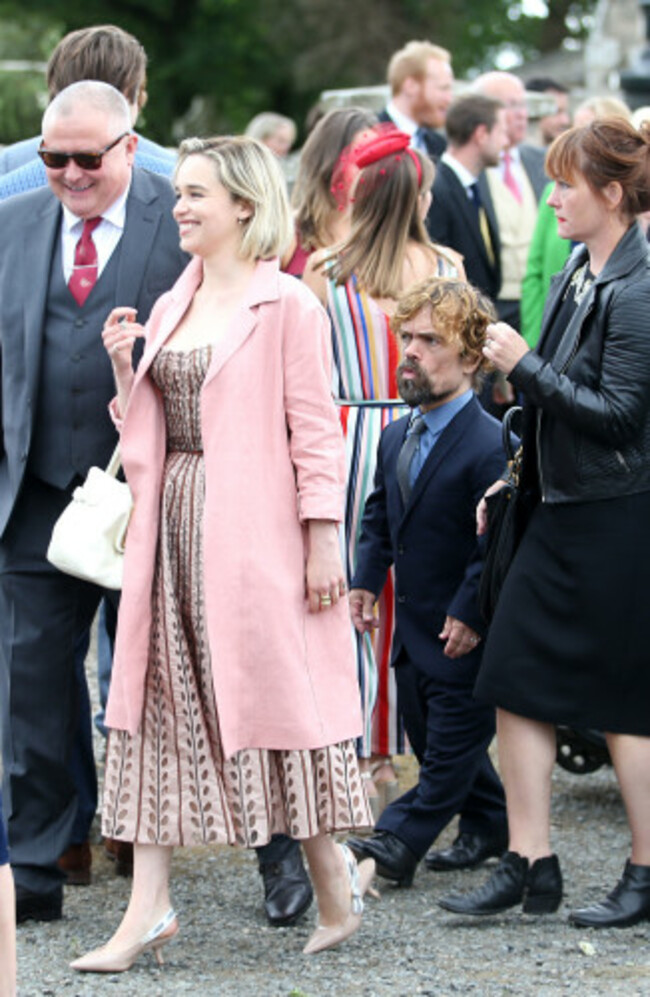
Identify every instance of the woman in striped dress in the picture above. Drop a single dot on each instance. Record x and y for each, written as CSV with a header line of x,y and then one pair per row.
x,y
358,280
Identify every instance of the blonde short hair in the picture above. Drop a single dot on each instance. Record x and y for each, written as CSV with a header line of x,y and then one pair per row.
x,y
251,174
412,61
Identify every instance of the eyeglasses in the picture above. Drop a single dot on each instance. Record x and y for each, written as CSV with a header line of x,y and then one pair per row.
x,y
84,160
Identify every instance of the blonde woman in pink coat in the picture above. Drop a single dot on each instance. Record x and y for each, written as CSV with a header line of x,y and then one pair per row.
x,y
234,703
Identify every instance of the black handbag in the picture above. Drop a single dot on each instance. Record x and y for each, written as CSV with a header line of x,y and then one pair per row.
x,y
506,523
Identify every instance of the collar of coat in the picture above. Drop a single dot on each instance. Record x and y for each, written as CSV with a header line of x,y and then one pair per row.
x,y
169,310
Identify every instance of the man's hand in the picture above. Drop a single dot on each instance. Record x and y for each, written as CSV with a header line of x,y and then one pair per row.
x,y
362,605
458,637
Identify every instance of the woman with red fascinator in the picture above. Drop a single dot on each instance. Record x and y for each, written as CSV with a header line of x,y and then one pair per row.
x,y
386,186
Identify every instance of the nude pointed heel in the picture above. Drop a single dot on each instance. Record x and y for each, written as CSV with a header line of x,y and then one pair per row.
x,y
360,878
107,960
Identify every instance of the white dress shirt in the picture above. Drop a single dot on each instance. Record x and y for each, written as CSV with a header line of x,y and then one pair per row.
x,y
106,236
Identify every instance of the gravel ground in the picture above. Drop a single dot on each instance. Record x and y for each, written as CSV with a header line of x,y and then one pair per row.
x,y
406,944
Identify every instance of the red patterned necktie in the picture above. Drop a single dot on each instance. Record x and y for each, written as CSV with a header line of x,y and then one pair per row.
x,y
84,273
509,177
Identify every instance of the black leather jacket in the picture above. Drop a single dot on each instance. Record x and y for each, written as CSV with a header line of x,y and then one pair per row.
x,y
587,411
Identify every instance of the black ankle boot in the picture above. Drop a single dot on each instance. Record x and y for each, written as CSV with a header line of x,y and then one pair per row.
x,y
543,892
538,888
627,904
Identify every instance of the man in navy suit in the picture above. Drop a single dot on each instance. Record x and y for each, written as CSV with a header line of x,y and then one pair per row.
x,y
477,134
433,467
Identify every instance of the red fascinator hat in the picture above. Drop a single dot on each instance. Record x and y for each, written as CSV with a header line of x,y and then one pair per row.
x,y
383,142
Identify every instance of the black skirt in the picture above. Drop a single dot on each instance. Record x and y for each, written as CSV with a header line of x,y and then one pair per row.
x,y
570,639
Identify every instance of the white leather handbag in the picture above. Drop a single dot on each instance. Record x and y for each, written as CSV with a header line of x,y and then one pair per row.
x,y
89,536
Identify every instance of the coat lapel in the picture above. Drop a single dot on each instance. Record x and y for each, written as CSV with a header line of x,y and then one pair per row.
x,y
488,204
446,442
141,226
466,207
559,285
264,287
38,247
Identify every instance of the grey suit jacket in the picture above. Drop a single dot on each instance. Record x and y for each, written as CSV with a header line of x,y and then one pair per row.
x,y
149,263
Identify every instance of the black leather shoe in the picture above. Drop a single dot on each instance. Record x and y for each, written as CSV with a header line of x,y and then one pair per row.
x,y
38,906
627,904
538,888
395,860
467,851
287,890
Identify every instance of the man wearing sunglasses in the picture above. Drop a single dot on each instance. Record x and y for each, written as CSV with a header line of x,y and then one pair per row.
x,y
101,234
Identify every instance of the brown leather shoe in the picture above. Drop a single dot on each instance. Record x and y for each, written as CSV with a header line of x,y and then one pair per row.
x,y
76,863
120,852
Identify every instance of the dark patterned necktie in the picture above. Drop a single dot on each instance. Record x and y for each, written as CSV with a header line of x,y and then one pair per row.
x,y
84,273
406,455
482,220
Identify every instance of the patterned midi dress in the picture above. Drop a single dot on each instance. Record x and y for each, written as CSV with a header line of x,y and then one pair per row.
x,y
170,784
366,356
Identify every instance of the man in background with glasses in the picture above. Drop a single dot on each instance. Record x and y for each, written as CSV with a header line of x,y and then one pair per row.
x,y
101,234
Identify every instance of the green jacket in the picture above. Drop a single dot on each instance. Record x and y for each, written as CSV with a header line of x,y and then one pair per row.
x,y
547,255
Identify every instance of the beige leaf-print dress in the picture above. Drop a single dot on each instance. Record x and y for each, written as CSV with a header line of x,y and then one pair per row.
x,y
170,783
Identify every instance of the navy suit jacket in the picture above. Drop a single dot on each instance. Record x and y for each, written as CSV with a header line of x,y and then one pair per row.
x,y
453,221
432,542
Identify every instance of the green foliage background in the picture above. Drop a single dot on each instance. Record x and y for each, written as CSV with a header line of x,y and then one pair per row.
x,y
215,63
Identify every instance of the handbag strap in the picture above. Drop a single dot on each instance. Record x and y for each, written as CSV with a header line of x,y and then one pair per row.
x,y
114,463
506,431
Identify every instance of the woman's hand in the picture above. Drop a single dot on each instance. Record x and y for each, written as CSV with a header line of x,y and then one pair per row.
x,y
119,335
481,508
325,580
504,347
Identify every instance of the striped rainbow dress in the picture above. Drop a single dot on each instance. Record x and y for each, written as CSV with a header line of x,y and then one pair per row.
x,y
366,356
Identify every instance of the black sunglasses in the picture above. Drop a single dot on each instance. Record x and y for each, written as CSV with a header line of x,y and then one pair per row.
x,y
84,160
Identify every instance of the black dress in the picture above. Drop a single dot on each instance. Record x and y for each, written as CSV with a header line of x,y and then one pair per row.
x,y
570,639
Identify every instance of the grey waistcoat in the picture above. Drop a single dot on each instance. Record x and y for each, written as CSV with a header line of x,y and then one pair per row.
x,y
72,429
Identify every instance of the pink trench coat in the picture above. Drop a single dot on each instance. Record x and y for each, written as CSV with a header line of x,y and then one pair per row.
x,y
284,678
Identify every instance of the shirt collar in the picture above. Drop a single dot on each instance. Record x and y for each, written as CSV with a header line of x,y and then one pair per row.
x,y
115,214
463,174
439,418
515,155
403,123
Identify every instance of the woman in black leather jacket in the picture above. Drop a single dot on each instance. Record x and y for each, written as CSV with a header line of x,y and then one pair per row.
x,y
569,639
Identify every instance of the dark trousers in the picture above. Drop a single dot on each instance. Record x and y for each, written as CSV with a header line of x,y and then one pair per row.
x,y
42,613
450,734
